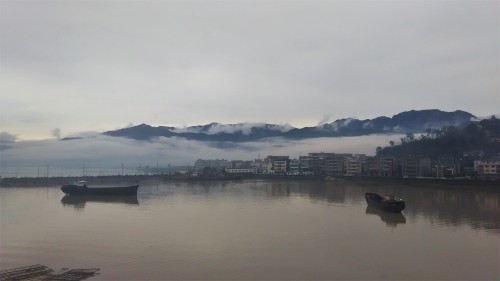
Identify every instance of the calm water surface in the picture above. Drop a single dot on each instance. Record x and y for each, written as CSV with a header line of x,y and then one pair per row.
x,y
255,230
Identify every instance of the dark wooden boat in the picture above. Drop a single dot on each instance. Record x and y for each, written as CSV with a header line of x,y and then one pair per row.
x,y
387,204
83,189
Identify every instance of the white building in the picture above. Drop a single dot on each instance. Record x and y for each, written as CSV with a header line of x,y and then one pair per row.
x,y
354,165
277,165
280,167
487,167
489,170
294,167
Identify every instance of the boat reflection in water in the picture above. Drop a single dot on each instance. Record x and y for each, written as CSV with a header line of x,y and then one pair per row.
x,y
390,219
79,201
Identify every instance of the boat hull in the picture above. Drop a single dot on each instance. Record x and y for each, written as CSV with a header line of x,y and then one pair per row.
x,y
100,191
379,202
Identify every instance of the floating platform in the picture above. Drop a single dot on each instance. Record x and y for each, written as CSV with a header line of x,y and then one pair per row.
x,y
40,272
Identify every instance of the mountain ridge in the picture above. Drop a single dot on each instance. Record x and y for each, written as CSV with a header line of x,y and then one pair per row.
x,y
413,121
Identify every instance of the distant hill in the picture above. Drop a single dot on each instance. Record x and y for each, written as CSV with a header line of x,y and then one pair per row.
x,y
415,121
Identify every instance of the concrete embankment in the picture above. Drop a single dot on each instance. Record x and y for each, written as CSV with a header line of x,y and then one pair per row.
x,y
135,179
427,182
58,181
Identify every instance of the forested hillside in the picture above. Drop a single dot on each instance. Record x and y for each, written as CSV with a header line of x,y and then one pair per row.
x,y
482,137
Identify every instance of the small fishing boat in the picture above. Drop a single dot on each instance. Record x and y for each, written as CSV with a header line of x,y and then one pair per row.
x,y
388,204
81,188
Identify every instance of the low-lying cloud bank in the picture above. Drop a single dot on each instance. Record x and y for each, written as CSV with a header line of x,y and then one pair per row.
x,y
243,128
101,153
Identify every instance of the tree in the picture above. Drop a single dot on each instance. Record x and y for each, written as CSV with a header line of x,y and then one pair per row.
x,y
410,137
452,141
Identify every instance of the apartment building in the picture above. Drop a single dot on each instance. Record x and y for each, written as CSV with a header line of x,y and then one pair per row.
x,y
294,167
219,164
353,165
334,165
487,170
277,165
381,167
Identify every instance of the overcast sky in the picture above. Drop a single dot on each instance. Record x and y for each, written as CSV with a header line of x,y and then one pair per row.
x,y
73,66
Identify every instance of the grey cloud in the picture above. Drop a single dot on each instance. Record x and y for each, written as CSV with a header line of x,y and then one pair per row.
x,y
7,140
244,128
87,134
327,118
184,62
56,133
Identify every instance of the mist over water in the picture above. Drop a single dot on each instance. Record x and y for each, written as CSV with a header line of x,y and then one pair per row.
x,y
104,155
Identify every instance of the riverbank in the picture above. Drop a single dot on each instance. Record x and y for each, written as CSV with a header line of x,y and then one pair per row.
x,y
95,180
463,184
136,179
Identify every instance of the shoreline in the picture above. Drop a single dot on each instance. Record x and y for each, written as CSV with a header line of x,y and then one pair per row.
x,y
475,185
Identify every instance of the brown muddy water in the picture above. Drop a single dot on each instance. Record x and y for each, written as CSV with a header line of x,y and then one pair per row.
x,y
255,230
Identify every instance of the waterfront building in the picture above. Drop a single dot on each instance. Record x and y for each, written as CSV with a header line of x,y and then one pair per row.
x,y
442,171
381,166
487,170
240,164
334,165
305,164
416,166
240,171
218,164
294,167
354,165
318,162
277,165
260,166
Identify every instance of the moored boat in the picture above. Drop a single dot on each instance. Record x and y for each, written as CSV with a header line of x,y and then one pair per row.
x,y
82,189
388,204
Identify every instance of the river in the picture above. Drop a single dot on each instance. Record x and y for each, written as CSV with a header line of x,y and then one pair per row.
x,y
255,230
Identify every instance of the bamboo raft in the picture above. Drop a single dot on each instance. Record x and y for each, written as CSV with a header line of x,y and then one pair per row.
x,y
40,272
